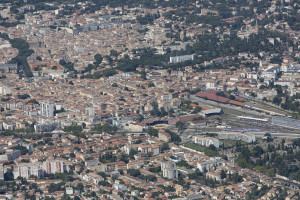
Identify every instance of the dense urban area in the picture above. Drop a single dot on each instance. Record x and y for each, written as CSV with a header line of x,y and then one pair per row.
x,y
143,99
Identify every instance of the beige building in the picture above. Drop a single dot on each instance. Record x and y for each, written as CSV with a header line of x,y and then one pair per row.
x,y
164,136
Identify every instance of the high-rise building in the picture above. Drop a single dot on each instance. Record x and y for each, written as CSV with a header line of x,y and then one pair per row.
x,y
1,172
90,111
38,169
169,169
55,166
47,109
26,170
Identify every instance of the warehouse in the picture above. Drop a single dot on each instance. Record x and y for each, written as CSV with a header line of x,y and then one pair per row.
x,y
253,119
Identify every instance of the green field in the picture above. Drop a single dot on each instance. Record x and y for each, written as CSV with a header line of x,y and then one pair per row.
x,y
231,143
211,152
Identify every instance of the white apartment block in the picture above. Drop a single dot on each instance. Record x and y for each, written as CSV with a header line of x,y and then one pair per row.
x,y
47,109
26,170
206,141
55,166
208,164
178,59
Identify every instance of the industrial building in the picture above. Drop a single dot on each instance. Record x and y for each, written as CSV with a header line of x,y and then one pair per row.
x,y
253,119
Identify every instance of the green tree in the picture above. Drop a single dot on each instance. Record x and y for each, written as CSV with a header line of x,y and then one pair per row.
x,y
23,96
8,175
72,155
140,118
223,174
165,147
98,59
114,53
153,132
39,58
197,110
143,75
132,152
180,125
63,23
65,197
134,172
151,84
62,62
276,100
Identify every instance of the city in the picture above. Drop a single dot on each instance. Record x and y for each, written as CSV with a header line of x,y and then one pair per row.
x,y
163,99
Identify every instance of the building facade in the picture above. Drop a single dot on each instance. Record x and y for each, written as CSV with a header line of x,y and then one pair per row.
x,y
169,169
178,59
47,109
206,141
26,170
55,166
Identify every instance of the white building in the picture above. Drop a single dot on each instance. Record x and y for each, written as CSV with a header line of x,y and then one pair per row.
x,y
252,75
69,191
119,187
92,177
271,74
47,109
266,93
213,176
208,164
210,85
144,148
55,166
46,126
1,172
178,59
90,111
206,141
26,170
4,90
169,169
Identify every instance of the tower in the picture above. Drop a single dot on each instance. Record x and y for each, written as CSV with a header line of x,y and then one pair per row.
x,y
47,109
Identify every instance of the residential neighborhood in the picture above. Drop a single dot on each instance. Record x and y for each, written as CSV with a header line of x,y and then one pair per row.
x,y
149,99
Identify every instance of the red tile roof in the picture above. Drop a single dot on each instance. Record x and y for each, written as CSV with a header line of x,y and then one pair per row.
x,y
237,103
213,97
